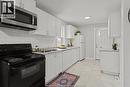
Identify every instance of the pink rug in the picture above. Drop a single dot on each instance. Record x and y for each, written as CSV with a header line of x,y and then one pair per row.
x,y
64,80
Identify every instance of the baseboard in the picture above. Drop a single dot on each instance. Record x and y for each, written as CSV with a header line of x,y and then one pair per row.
x,y
82,59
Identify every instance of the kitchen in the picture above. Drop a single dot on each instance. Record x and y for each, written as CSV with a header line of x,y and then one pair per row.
x,y
55,43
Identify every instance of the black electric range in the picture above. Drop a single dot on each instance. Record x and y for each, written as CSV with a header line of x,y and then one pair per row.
x,y
19,67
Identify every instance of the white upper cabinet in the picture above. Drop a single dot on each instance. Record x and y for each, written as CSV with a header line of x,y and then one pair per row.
x,y
29,5
114,24
42,19
63,30
47,24
58,27
70,31
18,3
51,25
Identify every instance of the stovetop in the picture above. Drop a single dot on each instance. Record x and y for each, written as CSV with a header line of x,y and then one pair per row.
x,y
23,59
18,54
13,60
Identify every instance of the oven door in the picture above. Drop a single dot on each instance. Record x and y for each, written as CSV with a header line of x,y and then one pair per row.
x,y
27,75
23,18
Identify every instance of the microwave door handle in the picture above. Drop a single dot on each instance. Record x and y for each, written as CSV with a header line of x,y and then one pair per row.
x,y
32,20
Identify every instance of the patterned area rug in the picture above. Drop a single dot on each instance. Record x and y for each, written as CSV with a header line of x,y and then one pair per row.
x,y
64,80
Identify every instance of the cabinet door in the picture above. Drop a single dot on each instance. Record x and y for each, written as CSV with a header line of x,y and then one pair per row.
x,y
51,25
71,56
50,67
59,62
58,27
41,22
110,61
70,31
75,55
66,62
29,5
63,30
18,3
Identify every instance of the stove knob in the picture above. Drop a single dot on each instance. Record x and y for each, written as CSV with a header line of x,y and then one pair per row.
x,y
8,64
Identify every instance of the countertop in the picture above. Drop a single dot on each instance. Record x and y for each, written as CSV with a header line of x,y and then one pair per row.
x,y
58,50
109,50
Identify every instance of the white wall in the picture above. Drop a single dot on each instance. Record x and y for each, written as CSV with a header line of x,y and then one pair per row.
x,y
126,42
12,36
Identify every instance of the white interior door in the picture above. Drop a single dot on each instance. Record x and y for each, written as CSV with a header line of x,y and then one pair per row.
x,y
102,41
97,36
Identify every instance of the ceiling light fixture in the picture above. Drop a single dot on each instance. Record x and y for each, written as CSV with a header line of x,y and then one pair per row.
x,y
87,17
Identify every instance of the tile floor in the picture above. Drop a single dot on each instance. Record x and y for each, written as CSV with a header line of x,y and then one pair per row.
x,y
91,76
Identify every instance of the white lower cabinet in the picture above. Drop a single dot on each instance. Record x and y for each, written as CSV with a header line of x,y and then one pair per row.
x,y
70,57
66,62
50,66
110,62
53,65
76,54
59,62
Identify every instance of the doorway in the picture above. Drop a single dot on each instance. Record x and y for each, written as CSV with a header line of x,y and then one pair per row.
x,y
102,41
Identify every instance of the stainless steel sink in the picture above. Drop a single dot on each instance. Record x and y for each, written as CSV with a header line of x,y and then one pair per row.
x,y
50,50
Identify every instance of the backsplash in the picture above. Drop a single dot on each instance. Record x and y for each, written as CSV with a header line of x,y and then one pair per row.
x,y
12,36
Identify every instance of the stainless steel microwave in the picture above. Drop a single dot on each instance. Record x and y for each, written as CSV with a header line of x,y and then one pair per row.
x,y
24,20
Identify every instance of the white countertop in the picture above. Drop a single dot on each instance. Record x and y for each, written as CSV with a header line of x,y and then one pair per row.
x,y
109,50
58,50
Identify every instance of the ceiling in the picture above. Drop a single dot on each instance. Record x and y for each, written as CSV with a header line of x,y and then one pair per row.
x,y
74,11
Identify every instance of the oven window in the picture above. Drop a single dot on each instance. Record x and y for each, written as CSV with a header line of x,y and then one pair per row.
x,y
23,17
30,71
